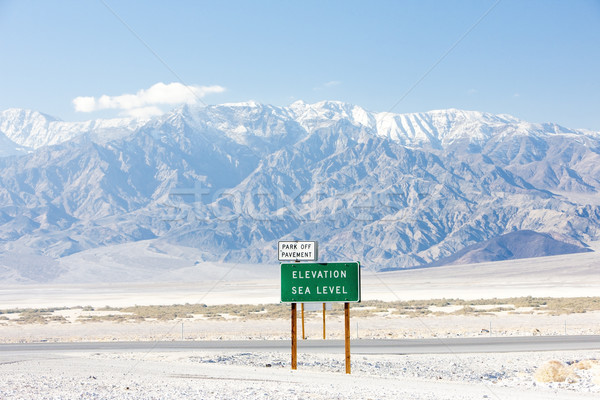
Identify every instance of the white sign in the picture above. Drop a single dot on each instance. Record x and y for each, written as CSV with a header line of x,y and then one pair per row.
x,y
297,250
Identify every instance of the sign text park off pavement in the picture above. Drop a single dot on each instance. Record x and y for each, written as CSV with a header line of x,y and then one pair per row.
x,y
320,282
297,250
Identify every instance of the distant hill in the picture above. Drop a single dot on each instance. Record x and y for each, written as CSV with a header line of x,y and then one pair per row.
x,y
511,246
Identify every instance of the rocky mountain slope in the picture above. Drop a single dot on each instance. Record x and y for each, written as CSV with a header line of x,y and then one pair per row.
x,y
391,190
510,246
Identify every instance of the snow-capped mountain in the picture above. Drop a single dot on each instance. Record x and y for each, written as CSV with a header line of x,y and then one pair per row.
x,y
390,190
30,130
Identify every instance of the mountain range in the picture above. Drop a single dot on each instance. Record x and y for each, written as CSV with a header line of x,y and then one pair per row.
x,y
230,180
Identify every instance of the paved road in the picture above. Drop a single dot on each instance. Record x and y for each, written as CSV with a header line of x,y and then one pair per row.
x,y
361,346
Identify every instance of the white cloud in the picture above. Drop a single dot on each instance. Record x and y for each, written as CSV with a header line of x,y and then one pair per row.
x,y
84,104
144,112
146,101
326,85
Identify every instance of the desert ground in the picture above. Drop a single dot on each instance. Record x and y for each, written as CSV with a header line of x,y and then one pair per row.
x,y
549,296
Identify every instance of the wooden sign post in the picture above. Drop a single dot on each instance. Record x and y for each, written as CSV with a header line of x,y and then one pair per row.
x,y
294,338
318,283
323,321
347,334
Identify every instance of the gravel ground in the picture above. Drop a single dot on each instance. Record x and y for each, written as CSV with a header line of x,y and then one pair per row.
x,y
235,375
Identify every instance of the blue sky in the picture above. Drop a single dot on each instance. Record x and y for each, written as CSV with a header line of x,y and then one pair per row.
x,y
537,60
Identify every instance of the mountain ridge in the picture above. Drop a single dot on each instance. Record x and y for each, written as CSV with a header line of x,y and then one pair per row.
x,y
32,129
393,190
14,122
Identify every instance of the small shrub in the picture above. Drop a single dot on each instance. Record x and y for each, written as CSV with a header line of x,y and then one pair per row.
x,y
58,318
555,371
586,364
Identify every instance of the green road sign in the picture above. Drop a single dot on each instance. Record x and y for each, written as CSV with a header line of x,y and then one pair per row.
x,y
320,282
